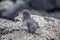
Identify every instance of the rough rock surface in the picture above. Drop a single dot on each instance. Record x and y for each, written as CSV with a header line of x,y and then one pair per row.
x,y
49,28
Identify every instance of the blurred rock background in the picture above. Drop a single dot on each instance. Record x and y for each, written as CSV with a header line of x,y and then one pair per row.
x,y
45,12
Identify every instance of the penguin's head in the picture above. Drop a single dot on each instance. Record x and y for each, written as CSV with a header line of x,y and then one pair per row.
x,y
25,13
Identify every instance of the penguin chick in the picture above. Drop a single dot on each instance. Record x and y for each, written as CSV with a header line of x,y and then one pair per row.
x,y
27,20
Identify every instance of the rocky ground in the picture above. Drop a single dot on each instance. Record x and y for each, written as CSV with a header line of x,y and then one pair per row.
x,y
49,24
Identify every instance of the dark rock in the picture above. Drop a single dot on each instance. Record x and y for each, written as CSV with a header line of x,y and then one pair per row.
x,y
43,4
58,3
10,39
4,31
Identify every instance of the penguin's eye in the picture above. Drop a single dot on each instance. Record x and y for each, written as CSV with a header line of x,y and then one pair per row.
x,y
24,13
